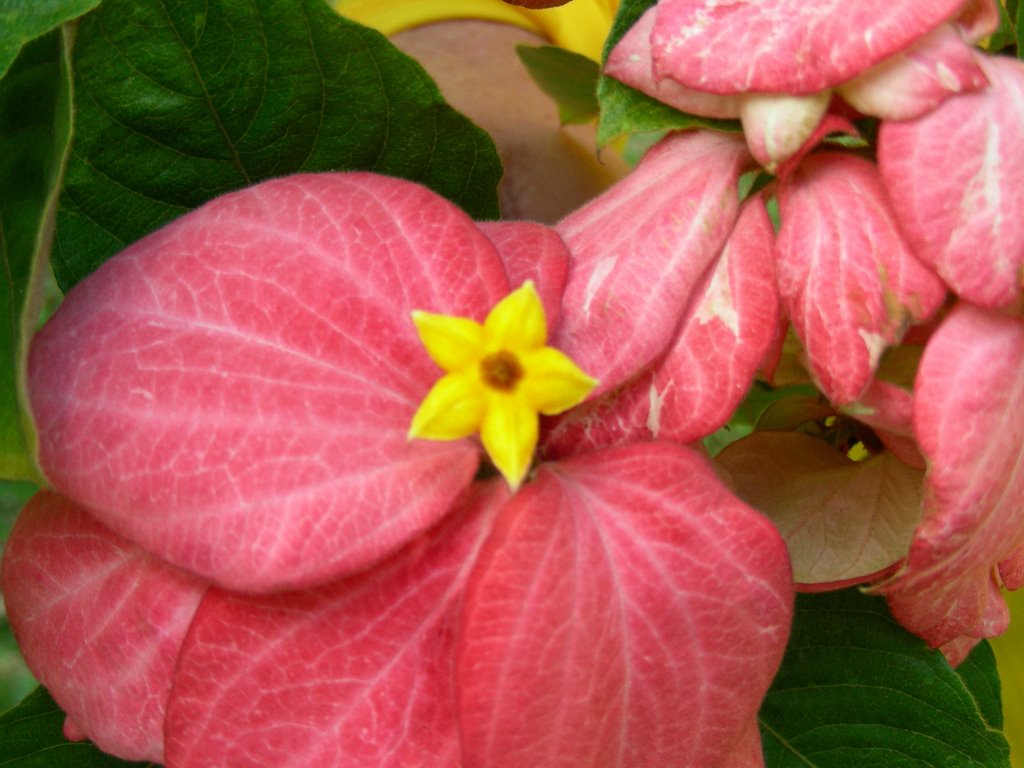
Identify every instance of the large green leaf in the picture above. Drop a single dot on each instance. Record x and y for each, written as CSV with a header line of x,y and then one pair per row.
x,y
35,127
22,21
31,737
178,102
856,690
626,110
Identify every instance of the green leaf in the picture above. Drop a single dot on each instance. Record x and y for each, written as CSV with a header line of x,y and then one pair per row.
x,y
1005,35
31,737
35,127
180,102
855,689
24,20
568,78
625,110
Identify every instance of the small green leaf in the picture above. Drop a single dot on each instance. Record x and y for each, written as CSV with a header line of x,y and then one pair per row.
x,y
35,126
24,20
625,110
31,737
1005,35
180,102
568,78
855,689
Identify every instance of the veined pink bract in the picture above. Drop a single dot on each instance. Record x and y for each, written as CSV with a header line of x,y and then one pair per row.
x,y
232,394
776,63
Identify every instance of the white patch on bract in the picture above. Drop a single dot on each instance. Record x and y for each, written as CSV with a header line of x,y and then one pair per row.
x,y
948,78
717,301
875,344
602,269
656,400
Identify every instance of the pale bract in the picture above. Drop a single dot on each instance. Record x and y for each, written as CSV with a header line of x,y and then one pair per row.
x,y
777,64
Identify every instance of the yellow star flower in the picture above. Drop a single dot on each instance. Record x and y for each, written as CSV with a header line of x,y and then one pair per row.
x,y
499,377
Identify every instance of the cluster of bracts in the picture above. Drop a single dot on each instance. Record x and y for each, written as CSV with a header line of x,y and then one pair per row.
x,y
243,560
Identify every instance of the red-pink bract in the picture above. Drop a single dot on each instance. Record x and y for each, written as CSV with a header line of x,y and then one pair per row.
x,y
100,623
722,340
969,422
784,46
954,180
847,279
233,392
532,252
627,611
639,249
358,673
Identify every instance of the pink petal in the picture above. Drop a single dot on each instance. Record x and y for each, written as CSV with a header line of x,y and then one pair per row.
x,y
918,79
969,420
784,46
630,63
532,252
627,611
233,391
847,279
843,521
639,249
100,623
358,673
954,181
721,342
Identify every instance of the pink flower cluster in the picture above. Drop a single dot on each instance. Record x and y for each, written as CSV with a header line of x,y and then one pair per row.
x,y
929,234
244,560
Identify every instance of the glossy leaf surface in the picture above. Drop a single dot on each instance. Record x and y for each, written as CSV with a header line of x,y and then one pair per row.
x,y
20,23
35,127
856,689
30,737
265,88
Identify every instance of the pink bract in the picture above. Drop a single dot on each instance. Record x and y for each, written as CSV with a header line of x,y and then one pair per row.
x,y
969,422
639,250
954,180
233,392
848,280
247,375
784,46
722,339
99,621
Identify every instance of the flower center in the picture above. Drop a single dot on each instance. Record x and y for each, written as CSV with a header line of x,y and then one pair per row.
x,y
501,370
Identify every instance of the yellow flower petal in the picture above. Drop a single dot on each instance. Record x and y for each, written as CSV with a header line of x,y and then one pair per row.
x,y
509,434
453,408
517,322
552,382
452,342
